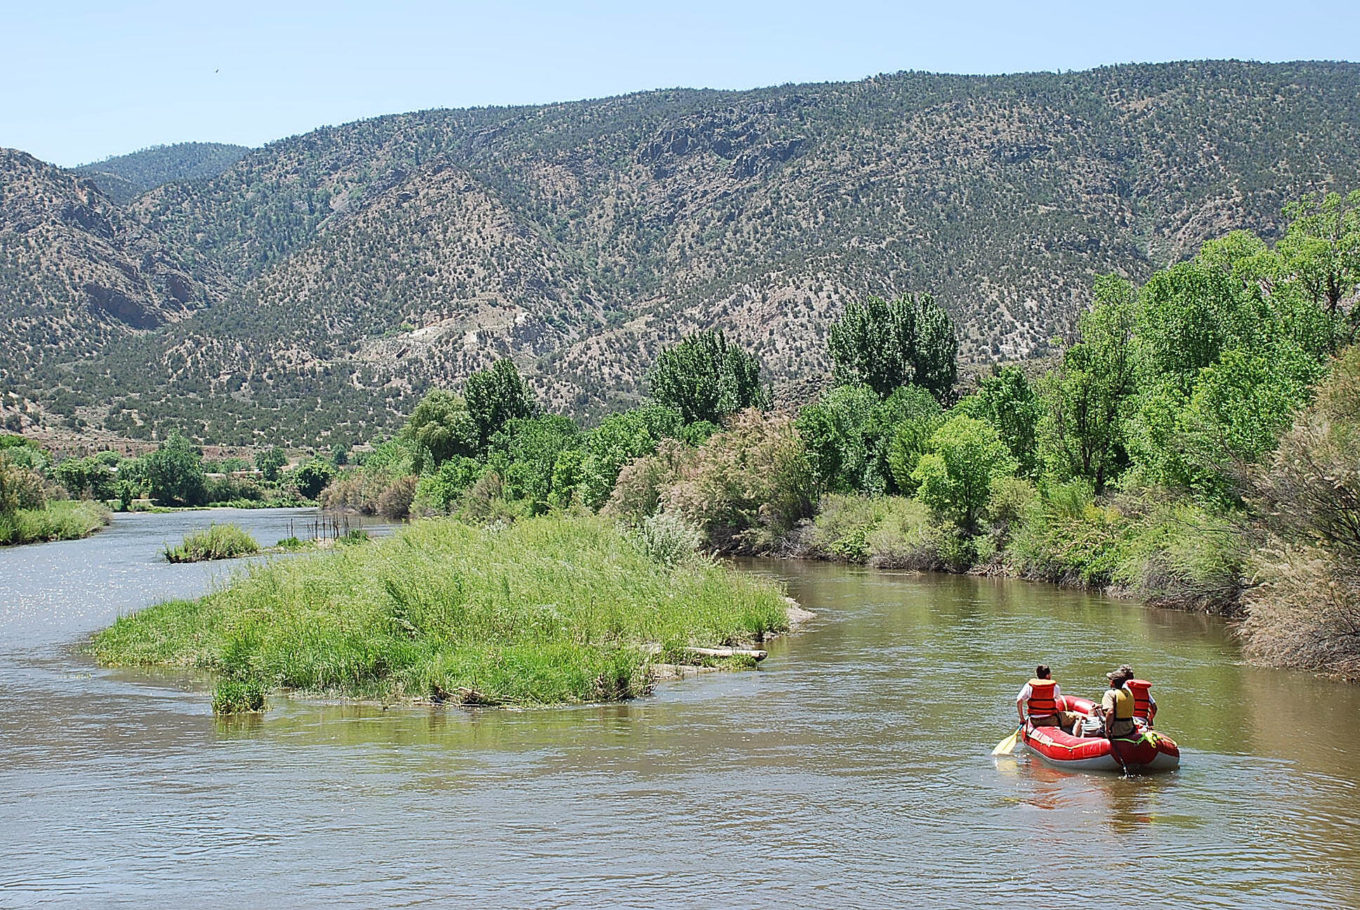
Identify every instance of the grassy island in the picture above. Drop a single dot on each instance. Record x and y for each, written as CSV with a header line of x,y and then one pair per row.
x,y
544,611
214,542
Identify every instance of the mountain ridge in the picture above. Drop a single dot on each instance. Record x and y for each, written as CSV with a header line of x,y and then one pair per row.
x,y
346,270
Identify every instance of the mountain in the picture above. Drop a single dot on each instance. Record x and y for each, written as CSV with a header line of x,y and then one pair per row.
x,y
347,270
125,177
79,275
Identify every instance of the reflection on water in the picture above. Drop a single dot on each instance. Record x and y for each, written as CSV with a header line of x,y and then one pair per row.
x,y
852,769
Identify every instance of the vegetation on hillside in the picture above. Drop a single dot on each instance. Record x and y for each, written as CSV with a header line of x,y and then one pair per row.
x,y
310,294
125,177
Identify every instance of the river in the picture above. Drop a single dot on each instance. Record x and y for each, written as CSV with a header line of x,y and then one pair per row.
x,y
852,769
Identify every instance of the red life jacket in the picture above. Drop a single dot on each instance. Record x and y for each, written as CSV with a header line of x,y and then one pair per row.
x,y
1142,699
1042,702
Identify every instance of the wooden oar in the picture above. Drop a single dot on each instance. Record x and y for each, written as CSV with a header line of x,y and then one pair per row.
x,y
1007,745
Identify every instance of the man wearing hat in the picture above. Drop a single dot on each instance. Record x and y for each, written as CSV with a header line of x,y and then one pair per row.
x,y
1117,706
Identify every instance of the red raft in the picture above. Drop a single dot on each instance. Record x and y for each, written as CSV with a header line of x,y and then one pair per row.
x,y
1145,751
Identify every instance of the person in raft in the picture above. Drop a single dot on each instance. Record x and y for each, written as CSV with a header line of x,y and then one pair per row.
x,y
1039,698
1116,706
1144,705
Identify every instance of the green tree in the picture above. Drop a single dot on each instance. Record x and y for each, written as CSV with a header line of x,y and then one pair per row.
x,y
270,463
1008,402
619,439
496,396
311,477
910,341
174,473
1321,246
848,434
1088,396
956,476
441,428
705,378
526,452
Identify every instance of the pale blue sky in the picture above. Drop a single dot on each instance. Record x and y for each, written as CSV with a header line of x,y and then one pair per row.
x,y
81,81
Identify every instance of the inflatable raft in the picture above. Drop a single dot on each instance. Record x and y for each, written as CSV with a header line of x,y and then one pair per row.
x,y
1145,751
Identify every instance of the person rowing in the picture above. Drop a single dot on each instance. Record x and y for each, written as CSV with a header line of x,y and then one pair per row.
x,y
1040,698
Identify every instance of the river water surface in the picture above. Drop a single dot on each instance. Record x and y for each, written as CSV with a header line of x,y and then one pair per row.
x,y
852,769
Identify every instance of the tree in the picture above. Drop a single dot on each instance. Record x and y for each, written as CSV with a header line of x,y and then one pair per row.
x,y
849,431
174,473
311,477
496,396
1088,395
1321,246
441,427
956,476
619,439
526,451
271,462
1008,402
706,378
886,345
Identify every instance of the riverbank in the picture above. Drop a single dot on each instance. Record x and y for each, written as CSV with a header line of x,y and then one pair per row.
x,y
545,611
69,520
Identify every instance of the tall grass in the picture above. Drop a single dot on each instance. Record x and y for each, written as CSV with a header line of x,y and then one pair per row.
x,y
55,521
214,542
546,611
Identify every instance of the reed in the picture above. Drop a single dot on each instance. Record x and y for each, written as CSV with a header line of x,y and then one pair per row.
x,y
545,611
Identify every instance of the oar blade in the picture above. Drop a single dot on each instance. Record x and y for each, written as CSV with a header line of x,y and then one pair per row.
x,y
1007,745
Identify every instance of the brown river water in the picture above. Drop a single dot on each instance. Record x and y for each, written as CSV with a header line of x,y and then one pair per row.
x,y
853,769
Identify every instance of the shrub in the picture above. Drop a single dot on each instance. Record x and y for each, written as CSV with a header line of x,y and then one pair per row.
x,y
956,477
907,537
842,527
394,501
667,538
746,487
21,487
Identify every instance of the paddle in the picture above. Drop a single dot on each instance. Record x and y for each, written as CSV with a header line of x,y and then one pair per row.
x,y
1007,745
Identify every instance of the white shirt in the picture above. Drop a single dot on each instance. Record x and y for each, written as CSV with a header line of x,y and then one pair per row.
x,y
1027,690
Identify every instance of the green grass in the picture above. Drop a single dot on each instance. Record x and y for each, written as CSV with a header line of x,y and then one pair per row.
x,y
215,542
545,611
57,521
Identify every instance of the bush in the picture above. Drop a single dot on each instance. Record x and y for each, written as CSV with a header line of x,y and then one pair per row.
x,y
55,521
21,487
394,501
235,696
966,459
667,538
842,527
907,537
746,487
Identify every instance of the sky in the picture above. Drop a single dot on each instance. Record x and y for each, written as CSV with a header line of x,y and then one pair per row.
x,y
81,81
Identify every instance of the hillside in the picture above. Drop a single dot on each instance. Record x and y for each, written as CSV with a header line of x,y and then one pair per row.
x,y
350,268
78,274
125,177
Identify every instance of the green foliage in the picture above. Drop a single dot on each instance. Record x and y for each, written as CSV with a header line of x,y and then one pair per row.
x,y
667,538
618,440
441,427
1087,398
440,491
849,434
91,477
956,477
174,473
270,463
526,453
544,611
496,396
704,378
54,521
235,696
311,477
1321,248
910,341
217,541
21,487
1008,402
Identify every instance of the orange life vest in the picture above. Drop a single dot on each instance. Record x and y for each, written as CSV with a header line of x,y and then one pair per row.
x,y
1042,701
1142,699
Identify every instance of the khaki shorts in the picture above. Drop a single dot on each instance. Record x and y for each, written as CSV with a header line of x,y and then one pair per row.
x,y
1061,719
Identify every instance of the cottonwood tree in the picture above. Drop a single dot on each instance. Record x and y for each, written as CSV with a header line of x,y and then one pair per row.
x,y
885,345
705,377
